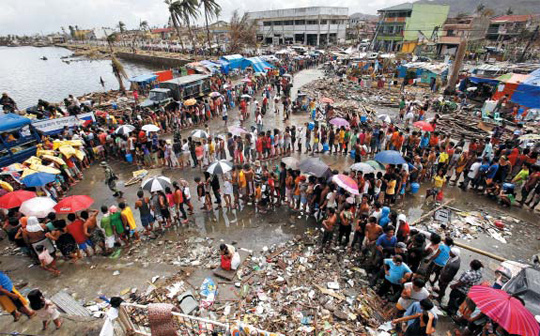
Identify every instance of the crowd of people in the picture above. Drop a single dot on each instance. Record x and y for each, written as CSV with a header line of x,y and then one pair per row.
x,y
408,266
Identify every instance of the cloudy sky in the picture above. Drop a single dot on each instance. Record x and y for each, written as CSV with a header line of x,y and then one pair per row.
x,y
38,16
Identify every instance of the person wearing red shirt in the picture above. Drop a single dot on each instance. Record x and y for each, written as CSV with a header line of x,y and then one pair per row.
x,y
76,229
259,147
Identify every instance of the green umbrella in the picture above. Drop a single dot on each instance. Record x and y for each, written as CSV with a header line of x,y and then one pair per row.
x,y
376,165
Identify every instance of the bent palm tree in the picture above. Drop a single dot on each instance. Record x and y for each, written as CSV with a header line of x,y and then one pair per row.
x,y
211,10
119,73
187,11
174,9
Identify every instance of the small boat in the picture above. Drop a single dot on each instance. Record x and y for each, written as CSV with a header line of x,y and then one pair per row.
x,y
43,58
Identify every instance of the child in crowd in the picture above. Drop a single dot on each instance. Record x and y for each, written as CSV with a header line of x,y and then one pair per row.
x,y
45,309
47,261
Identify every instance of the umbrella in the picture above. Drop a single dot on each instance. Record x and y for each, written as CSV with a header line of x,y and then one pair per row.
x,y
327,100
150,128
38,179
14,167
54,159
424,126
530,137
339,122
376,165
390,157
73,204
505,310
124,129
190,102
290,162
219,167
33,160
214,94
245,96
14,199
156,183
246,80
6,186
236,130
385,117
200,134
347,183
362,167
38,206
314,166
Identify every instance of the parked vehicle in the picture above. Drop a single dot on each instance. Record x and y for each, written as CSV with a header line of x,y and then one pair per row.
x,y
178,89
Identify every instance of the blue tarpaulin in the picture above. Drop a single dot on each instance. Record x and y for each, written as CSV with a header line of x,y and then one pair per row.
x,y
12,121
478,80
257,63
144,79
234,61
527,95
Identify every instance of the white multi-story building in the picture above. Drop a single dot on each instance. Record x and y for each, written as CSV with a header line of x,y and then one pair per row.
x,y
307,25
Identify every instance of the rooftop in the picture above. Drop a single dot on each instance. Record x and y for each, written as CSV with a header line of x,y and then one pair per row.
x,y
300,11
512,18
400,7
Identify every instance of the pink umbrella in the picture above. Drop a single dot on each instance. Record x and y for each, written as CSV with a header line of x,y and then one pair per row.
x,y
505,310
236,130
246,80
340,122
327,100
346,183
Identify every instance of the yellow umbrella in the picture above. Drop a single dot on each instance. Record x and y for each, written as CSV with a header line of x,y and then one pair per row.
x,y
45,169
27,172
6,186
190,102
56,144
68,151
33,160
54,159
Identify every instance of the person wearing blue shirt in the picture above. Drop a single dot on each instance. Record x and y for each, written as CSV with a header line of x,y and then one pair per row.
x,y
492,170
396,273
440,257
385,217
387,241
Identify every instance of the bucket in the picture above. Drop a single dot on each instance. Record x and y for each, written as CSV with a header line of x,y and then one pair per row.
x,y
311,126
353,154
415,187
325,147
129,158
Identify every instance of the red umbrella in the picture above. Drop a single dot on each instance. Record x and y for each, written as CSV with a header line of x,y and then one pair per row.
x,y
424,126
14,199
73,204
505,310
327,100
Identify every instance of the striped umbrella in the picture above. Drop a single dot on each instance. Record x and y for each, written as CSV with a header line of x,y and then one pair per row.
x,y
200,134
347,183
156,183
124,129
505,310
219,167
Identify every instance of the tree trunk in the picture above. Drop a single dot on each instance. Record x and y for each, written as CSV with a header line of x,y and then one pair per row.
x,y
207,30
121,86
177,27
456,67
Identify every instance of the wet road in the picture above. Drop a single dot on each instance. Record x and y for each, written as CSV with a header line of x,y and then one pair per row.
x,y
246,227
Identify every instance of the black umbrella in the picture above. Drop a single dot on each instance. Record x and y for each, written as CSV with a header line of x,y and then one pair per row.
x,y
219,167
315,167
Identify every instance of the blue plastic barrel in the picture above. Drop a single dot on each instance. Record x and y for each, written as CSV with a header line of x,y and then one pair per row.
x,y
415,187
129,158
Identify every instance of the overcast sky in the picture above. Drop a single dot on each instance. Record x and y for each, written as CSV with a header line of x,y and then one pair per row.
x,y
46,16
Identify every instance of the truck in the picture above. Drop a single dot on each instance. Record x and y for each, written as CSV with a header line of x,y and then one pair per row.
x,y
178,89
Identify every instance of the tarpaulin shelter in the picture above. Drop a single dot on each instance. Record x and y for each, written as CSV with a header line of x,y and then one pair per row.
x,y
13,121
526,285
424,70
143,80
212,66
508,84
528,92
257,63
234,61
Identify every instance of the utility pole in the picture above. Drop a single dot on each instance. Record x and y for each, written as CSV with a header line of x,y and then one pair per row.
x,y
456,67
533,37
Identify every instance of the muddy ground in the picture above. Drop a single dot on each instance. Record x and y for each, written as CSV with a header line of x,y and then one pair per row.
x,y
247,228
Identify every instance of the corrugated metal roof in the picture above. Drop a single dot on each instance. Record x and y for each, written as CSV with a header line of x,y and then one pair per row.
x,y
512,18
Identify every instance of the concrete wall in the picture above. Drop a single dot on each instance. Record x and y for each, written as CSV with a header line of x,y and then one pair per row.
x,y
298,12
425,17
163,62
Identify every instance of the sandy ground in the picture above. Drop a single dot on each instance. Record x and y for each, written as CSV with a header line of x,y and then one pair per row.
x,y
249,229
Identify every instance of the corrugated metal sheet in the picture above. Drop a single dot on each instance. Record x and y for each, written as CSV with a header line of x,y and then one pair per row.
x,y
69,305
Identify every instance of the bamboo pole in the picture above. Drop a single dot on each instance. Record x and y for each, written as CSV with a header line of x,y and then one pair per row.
x,y
482,252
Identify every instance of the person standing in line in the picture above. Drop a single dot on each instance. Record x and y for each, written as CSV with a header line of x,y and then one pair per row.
x,y
143,204
461,288
110,179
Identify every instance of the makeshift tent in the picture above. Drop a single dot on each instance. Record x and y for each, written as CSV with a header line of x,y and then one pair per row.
x,y
478,80
508,84
257,63
225,66
235,61
526,285
424,70
528,92
143,80
12,121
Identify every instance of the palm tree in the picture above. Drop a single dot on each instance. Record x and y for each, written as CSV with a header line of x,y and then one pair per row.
x,y
121,26
211,10
144,25
119,73
242,32
186,11
480,8
173,11
111,38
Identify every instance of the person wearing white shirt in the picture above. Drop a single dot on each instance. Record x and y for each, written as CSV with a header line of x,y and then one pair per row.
x,y
471,175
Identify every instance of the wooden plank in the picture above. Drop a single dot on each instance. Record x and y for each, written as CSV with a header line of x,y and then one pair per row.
x,y
69,305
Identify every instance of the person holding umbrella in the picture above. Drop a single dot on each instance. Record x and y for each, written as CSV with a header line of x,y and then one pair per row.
x,y
110,179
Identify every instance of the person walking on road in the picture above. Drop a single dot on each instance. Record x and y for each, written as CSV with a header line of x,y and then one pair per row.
x,y
110,179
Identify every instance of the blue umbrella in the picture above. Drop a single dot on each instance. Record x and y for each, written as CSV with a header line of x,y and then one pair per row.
x,y
38,179
390,157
